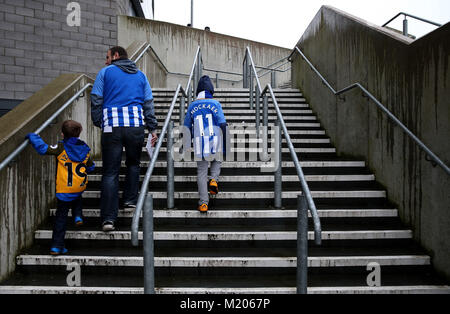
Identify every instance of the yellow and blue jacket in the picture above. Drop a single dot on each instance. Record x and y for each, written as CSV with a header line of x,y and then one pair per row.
x,y
73,164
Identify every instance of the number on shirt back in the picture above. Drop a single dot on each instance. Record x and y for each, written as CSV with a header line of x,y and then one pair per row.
x,y
201,127
201,137
78,172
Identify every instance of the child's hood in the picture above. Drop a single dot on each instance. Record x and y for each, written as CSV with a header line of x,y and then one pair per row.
x,y
76,149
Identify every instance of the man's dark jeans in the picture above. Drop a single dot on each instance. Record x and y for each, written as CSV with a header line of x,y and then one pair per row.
x,y
60,224
132,138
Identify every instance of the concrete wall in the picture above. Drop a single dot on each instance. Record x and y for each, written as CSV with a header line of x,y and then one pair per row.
x,y
412,79
176,46
27,187
37,44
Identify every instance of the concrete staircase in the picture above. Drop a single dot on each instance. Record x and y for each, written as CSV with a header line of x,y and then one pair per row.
x,y
243,244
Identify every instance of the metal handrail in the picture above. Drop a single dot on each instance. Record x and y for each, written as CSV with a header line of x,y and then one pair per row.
x,y
305,200
248,58
145,197
380,105
304,184
195,64
300,174
22,146
414,17
148,174
405,22
148,48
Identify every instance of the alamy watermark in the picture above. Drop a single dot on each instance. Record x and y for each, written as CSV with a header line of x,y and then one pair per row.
x,y
73,279
374,277
74,17
241,143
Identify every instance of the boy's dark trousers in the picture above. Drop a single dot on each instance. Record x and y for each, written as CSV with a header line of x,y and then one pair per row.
x,y
60,224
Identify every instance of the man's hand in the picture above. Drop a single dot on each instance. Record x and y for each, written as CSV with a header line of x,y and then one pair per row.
x,y
154,139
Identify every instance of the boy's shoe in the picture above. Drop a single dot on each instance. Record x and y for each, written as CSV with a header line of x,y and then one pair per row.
x,y
213,187
129,206
78,221
108,226
203,208
58,251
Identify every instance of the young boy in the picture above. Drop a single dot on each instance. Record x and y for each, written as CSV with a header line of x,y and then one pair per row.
x,y
73,164
207,124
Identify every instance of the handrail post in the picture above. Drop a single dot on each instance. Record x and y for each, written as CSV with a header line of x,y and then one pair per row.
x,y
265,129
244,72
266,110
217,79
251,89
170,167
272,78
405,26
302,244
258,109
195,79
149,254
182,109
189,96
278,176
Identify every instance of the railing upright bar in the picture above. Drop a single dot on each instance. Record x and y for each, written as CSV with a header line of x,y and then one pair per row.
x,y
251,89
258,109
149,247
22,146
182,109
278,175
302,245
170,168
405,27
435,158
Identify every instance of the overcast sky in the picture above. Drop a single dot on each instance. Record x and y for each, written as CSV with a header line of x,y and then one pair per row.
x,y
282,22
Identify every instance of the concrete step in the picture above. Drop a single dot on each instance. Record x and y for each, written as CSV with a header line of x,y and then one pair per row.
x,y
239,195
231,236
246,214
236,106
249,118
252,124
419,289
256,164
259,178
237,98
316,150
219,94
270,141
236,111
223,261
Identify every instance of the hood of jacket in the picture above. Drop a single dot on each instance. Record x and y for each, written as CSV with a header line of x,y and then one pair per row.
x,y
205,85
76,149
126,65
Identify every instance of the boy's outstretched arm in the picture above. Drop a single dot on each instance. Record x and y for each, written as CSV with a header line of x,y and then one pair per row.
x,y
38,144
41,147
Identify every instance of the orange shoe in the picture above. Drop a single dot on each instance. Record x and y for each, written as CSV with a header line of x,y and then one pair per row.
x,y
213,187
203,208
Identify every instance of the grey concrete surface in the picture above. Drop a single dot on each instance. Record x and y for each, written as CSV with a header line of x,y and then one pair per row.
x,y
411,78
27,186
176,46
